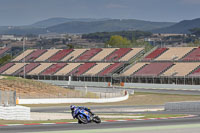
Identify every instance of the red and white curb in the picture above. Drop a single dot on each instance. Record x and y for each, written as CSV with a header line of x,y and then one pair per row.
x,y
123,120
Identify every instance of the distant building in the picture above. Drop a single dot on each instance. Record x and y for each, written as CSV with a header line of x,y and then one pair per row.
x,y
52,36
10,37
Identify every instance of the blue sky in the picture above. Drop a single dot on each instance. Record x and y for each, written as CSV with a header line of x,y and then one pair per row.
x,y
22,12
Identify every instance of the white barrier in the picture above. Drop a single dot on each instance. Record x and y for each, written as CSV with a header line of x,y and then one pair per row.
x,y
162,86
72,100
15,113
183,106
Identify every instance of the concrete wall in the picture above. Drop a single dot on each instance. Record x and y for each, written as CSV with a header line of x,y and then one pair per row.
x,y
72,100
14,113
162,86
183,106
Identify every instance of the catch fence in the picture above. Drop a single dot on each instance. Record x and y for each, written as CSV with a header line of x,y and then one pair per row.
x,y
7,98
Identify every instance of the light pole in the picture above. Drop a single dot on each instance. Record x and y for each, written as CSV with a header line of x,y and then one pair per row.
x,y
24,55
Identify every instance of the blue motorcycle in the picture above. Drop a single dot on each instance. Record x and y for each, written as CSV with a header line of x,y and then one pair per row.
x,y
85,116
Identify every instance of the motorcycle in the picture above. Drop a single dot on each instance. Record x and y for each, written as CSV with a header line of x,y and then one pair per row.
x,y
85,117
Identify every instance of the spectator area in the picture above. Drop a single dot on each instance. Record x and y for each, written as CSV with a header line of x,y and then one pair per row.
x,y
73,55
79,55
195,73
193,55
4,50
39,69
22,55
82,68
174,53
154,69
5,67
130,71
97,68
131,54
157,52
28,67
13,68
47,55
89,54
181,69
117,54
67,69
53,69
103,54
35,54
172,61
60,55
110,69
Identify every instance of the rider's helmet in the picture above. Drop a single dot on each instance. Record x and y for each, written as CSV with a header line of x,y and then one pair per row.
x,y
72,107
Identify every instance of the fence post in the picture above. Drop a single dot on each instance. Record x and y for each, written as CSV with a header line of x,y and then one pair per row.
x,y
0,98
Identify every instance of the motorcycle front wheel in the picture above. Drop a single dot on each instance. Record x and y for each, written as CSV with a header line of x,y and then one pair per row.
x,y
82,119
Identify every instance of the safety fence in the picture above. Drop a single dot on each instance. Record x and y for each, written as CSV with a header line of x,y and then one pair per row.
x,y
116,79
7,98
82,93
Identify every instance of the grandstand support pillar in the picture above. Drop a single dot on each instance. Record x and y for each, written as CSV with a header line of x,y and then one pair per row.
x,y
175,80
192,80
153,80
168,78
184,80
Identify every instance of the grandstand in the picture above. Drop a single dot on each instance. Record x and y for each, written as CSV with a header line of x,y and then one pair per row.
x,y
161,65
4,50
74,62
178,65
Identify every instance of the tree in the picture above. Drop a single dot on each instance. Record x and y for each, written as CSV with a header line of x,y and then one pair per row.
x,y
70,46
196,43
118,41
195,31
5,59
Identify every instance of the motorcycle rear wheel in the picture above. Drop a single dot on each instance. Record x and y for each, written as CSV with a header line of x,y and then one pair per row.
x,y
96,119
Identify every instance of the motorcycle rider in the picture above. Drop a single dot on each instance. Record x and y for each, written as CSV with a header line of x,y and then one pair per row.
x,y
73,108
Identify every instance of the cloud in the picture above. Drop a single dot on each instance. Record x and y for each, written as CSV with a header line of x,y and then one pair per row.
x,y
112,5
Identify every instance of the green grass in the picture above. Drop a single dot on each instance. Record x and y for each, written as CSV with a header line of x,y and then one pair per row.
x,y
10,77
139,98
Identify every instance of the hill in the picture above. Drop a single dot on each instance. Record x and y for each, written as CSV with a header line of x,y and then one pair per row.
x,y
107,26
105,36
58,20
182,27
84,26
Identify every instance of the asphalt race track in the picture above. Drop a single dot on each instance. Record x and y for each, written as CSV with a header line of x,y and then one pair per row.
x,y
129,126
182,125
62,109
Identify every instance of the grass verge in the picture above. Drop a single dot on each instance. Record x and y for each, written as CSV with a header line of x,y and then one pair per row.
x,y
139,98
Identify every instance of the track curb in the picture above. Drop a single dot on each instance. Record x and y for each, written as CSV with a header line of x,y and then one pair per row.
x,y
122,120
